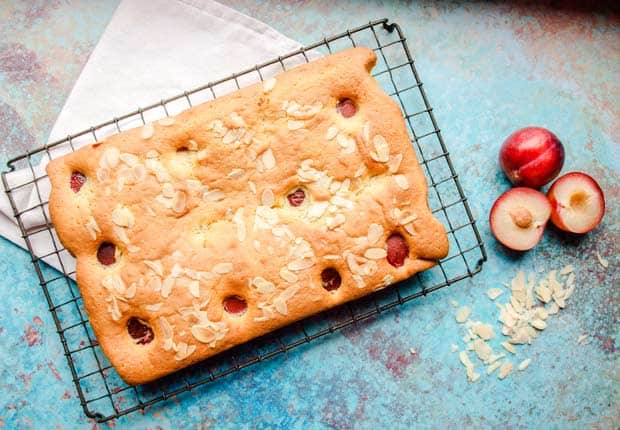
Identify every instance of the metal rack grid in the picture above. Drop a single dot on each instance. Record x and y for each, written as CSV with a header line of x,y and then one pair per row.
x,y
103,395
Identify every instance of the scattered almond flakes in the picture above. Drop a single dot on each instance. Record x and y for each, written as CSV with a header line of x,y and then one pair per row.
x,y
454,303
462,314
581,339
505,369
455,347
485,331
412,351
523,316
509,347
494,293
493,367
602,261
523,365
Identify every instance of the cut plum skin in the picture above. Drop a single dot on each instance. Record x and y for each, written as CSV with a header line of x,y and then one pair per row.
x,y
139,331
330,279
397,250
346,108
235,305
296,198
106,253
76,181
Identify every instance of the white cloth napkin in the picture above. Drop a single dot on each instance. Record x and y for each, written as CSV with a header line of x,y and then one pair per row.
x,y
151,50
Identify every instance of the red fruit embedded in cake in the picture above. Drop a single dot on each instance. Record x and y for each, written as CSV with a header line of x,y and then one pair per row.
x,y
397,250
577,202
106,253
297,197
518,218
531,157
330,279
235,305
346,107
139,331
77,180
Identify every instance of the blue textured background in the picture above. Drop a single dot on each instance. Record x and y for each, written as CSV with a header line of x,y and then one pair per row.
x,y
488,69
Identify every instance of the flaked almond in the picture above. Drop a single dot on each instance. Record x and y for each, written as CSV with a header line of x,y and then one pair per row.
x,y
401,181
131,291
121,234
103,174
178,202
236,120
154,283
267,198
167,285
129,159
201,155
375,253
223,268
300,264
240,222
409,228
463,314
252,187
155,266
359,281
133,248
375,232
213,195
317,209
147,131
110,158
360,171
280,306
92,227
269,161
602,261
194,288
203,333
509,347
233,135
366,132
235,173
494,293
287,275
394,163
294,124
524,364
505,369
268,85
331,132
263,286
485,331
153,307
123,217
382,149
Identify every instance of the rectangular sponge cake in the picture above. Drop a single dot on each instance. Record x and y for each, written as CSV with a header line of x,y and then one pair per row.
x,y
201,231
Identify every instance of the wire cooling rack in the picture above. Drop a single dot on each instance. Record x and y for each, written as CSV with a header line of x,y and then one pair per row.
x,y
102,393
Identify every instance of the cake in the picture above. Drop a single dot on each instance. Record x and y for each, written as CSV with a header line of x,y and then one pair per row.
x,y
198,232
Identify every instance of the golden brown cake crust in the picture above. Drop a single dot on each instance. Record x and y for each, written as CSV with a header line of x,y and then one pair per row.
x,y
196,206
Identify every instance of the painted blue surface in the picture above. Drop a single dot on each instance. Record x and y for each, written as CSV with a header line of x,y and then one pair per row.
x,y
488,69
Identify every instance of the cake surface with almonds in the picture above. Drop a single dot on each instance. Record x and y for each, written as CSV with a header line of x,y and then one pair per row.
x,y
198,232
